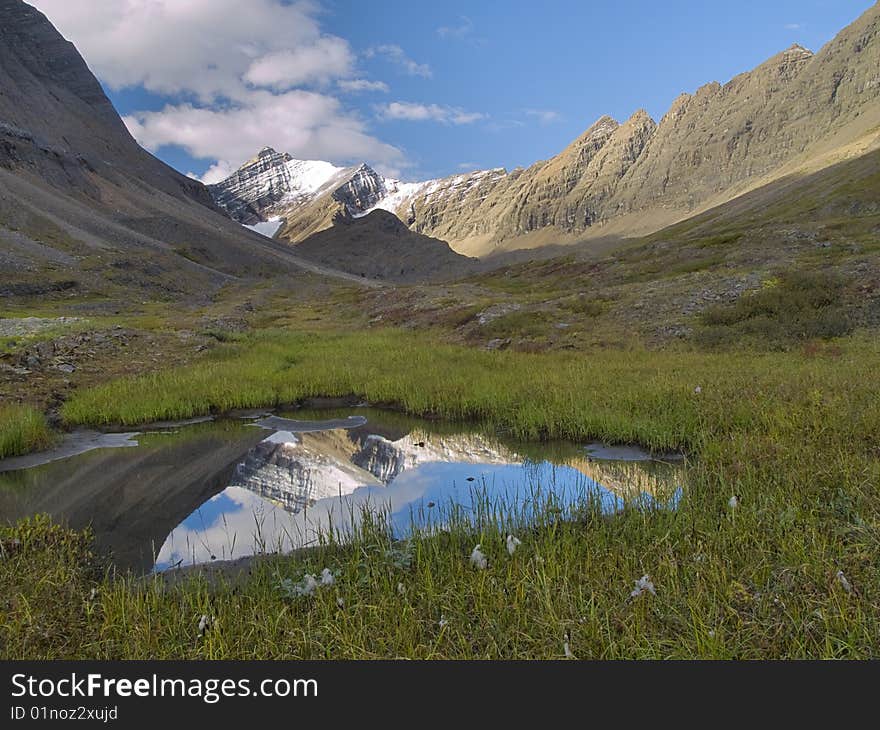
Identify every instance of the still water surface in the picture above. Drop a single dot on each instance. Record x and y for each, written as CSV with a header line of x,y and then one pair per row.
x,y
236,487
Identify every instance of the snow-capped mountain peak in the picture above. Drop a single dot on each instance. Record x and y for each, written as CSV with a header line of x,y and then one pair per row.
x,y
271,181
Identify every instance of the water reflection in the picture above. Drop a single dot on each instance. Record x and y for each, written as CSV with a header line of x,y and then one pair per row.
x,y
290,489
232,488
132,498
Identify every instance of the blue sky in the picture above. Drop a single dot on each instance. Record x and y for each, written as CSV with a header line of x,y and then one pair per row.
x,y
417,89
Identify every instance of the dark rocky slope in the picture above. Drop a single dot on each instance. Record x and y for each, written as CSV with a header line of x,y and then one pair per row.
x,y
82,204
380,246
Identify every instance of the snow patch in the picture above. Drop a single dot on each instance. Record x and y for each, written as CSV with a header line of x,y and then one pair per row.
x,y
309,176
266,228
398,194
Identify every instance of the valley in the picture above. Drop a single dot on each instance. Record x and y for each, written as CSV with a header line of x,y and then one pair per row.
x,y
522,353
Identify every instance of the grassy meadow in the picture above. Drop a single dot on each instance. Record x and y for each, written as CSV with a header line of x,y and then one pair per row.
x,y
23,429
623,396
790,571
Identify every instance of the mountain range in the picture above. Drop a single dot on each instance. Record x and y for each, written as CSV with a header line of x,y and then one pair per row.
x,y
84,207
797,113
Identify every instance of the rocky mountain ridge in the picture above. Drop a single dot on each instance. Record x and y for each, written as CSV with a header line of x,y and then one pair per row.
x,y
274,185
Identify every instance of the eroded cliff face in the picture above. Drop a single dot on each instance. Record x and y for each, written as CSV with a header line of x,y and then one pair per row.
x,y
451,208
274,185
795,111
269,182
362,190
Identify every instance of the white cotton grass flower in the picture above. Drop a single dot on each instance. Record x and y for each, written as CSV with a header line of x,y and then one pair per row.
x,y
566,648
698,390
480,561
643,585
340,602
442,623
204,624
733,502
842,579
307,586
401,589
93,594
512,544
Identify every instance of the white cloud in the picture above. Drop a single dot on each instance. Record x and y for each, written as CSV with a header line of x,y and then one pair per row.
x,y
793,26
544,116
505,124
397,56
306,124
326,59
236,65
467,166
356,85
459,32
458,116
217,172
463,32
411,112
204,47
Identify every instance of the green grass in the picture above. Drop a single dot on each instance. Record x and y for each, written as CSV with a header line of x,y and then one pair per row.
x,y
530,396
22,429
524,324
617,395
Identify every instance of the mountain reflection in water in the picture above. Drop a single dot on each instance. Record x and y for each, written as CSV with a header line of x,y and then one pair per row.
x,y
290,488
195,492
